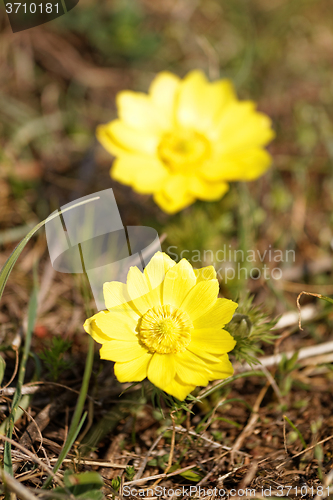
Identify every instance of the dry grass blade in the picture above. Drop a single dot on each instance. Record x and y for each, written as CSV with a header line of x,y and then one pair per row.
x,y
34,458
318,295
305,451
248,429
16,487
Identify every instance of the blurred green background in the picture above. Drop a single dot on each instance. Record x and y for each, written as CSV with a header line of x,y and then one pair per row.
x,y
59,81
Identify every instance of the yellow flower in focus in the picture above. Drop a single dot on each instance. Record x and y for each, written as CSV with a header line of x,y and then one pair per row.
x,y
166,324
186,140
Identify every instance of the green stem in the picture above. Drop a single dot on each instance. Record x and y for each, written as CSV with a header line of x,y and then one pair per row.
x,y
328,299
298,432
229,380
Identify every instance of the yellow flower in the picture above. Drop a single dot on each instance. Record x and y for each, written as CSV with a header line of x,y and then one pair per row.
x,y
186,140
166,324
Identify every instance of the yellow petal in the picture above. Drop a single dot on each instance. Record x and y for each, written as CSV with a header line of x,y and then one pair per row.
x,y
155,271
138,290
96,333
201,103
137,284
178,389
205,356
242,165
241,127
144,173
222,370
212,340
163,91
172,205
117,350
115,294
218,316
105,326
107,140
205,273
138,111
201,298
118,137
133,371
162,369
191,369
178,282
117,325
176,194
205,190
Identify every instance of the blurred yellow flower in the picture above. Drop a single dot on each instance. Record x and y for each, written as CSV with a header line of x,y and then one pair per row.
x,y
186,140
166,324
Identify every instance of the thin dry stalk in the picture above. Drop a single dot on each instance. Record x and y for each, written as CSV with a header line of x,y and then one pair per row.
x,y
305,451
33,457
16,487
248,429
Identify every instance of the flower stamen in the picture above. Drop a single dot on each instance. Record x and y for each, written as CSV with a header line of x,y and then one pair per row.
x,y
182,150
165,329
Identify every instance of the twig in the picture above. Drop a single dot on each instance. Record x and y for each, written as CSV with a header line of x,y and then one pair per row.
x,y
285,437
33,457
173,440
225,476
305,352
159,476
33,387
318,295
15,348
91,462
274,385
145,460
299,306
304,451
210,441
251,423
16,487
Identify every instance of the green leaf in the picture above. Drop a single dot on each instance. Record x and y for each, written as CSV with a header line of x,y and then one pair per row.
x,y
192,475
84,486
2,369
296,430
130,472
115,483
91,478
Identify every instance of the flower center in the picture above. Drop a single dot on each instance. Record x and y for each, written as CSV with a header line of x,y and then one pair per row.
x,y
165,329
182,150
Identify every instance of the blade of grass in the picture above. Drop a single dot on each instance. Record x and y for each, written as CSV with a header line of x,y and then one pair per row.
x,y
9,264
32,311
299,434
4,275
72,435
23,405
76,423
251,373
